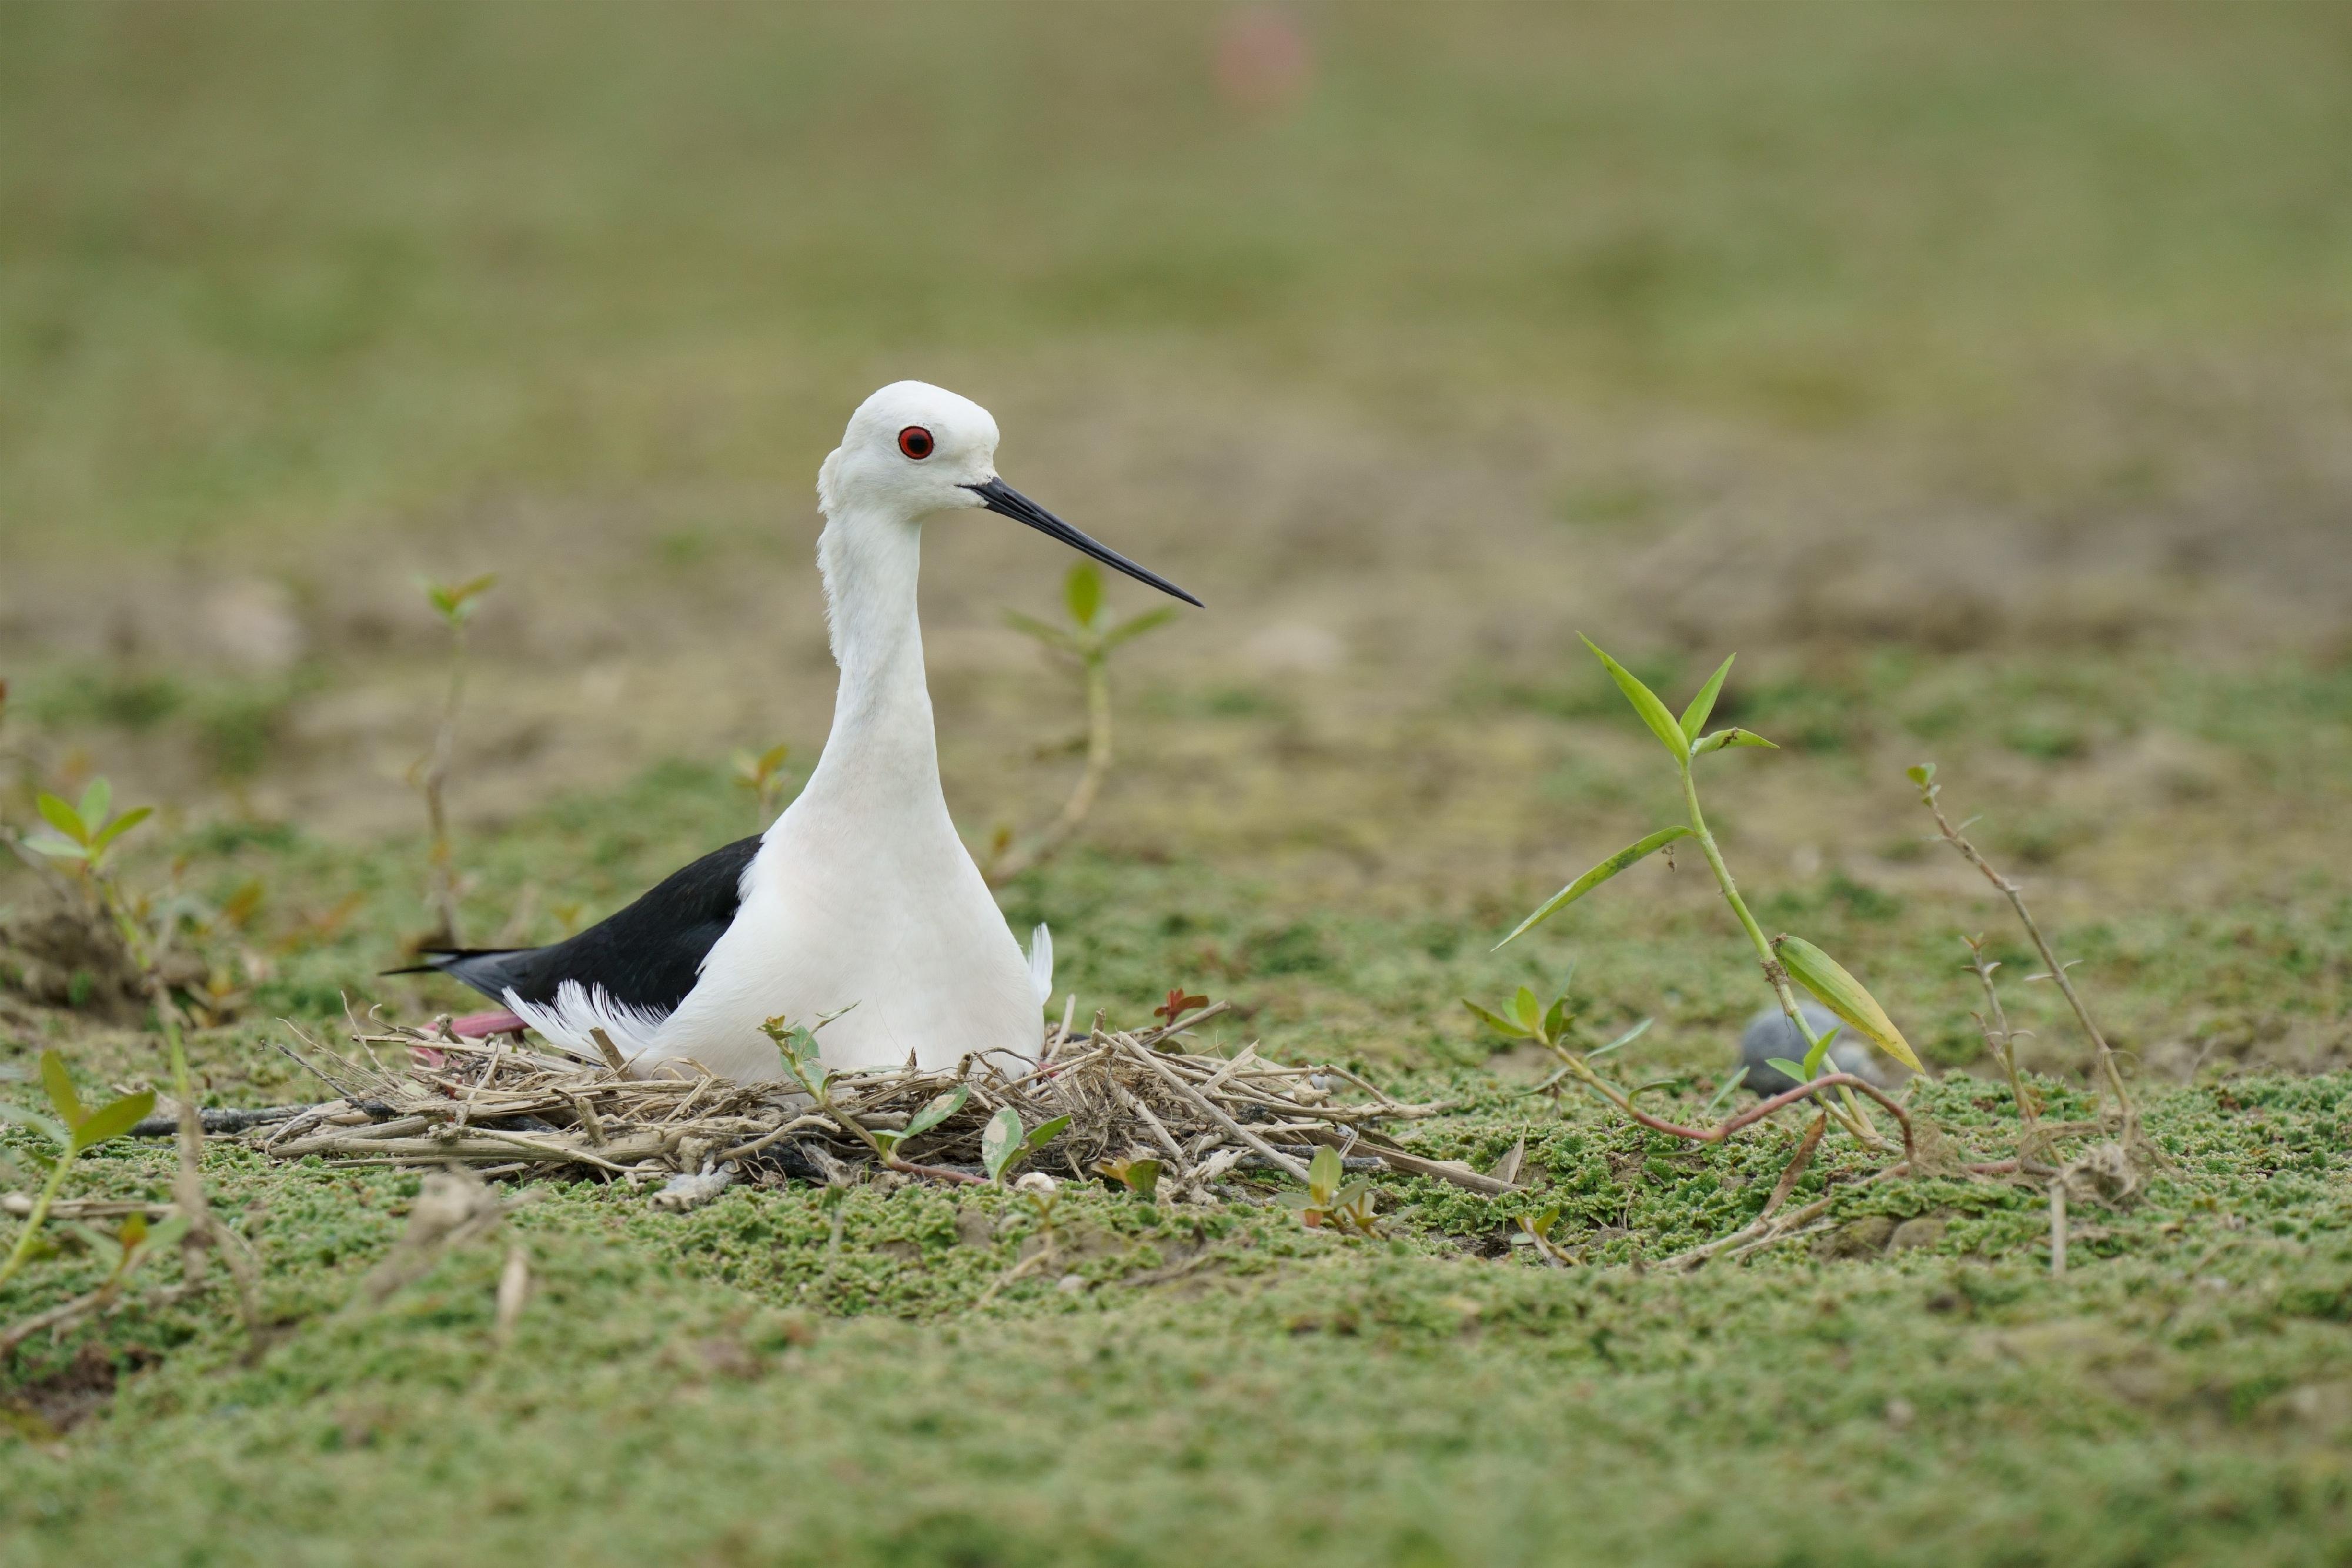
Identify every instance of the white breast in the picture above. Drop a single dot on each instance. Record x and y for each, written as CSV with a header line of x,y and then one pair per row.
x,y
888,925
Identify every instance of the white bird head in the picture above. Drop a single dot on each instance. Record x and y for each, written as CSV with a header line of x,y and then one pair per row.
x,y
913,450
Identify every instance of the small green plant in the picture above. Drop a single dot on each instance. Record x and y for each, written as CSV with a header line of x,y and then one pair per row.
x,y
456,604
87,834
764,776
938,1109
85,831
803,1059
74,1130
1088,642
1140,1178
1004,1141
1331,1201
1783,958
1536,1231
132,1242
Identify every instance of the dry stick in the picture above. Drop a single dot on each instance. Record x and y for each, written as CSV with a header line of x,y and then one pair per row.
x,y
1035,1260
1167,1140
1762,1224
56,1317
17,1206
1405,1160
1796,1164
2016,897
2057,1226
1764,1233
514,1291
1207,1107
797,1125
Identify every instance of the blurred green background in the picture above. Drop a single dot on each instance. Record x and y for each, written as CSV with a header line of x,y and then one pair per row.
x,y
1978,372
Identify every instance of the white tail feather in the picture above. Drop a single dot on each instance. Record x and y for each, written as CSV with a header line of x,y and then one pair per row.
x,y
578,1009
1041,963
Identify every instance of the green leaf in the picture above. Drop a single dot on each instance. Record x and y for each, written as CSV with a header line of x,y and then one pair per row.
x,y
1000,1141
1142,1179
1923,774
111,1121
1645,702
1730,1085
59,1086
1052,636
455,602
1594,878
1622,1041
62,817
1723,737
1324,1174
1493,1019
1044,1135
1556,1019
96,802
122,825
1527,1010
1843,995
132,1233
1795,1070
1128,630
61,848
1082,593
937,1110
1695,715
1820,1054
42,1124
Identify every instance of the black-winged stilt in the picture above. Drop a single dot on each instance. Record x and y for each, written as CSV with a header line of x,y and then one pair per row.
x,y
860,902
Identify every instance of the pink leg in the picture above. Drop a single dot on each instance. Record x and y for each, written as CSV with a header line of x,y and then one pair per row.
x,y
482,1025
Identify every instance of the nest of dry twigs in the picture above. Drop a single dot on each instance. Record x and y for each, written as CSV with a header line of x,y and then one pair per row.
x,y
502,1109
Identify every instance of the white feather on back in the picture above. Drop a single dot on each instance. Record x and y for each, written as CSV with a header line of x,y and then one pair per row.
x,y
1041,963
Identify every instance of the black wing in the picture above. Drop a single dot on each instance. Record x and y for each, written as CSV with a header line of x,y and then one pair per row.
x,y
647,956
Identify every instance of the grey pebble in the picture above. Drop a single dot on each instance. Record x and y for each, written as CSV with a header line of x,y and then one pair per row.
x,y
1769,1034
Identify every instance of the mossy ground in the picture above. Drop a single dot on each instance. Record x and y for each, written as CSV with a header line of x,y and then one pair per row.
x,y
1977,373
1224,1384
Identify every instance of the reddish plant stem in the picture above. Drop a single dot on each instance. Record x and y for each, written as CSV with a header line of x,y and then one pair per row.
x,y
910,1169
1764,1108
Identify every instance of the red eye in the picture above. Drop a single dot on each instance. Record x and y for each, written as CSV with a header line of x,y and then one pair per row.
x,y
915,442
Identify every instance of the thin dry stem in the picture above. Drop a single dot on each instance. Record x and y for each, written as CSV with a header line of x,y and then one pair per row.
x,y
432,780
1037,847
1997,1033
1929,797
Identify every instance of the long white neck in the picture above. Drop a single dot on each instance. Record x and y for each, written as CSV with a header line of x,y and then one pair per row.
x,y
882,750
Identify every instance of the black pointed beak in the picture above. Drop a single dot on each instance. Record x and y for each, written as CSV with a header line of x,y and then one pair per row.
x,y
1005,501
